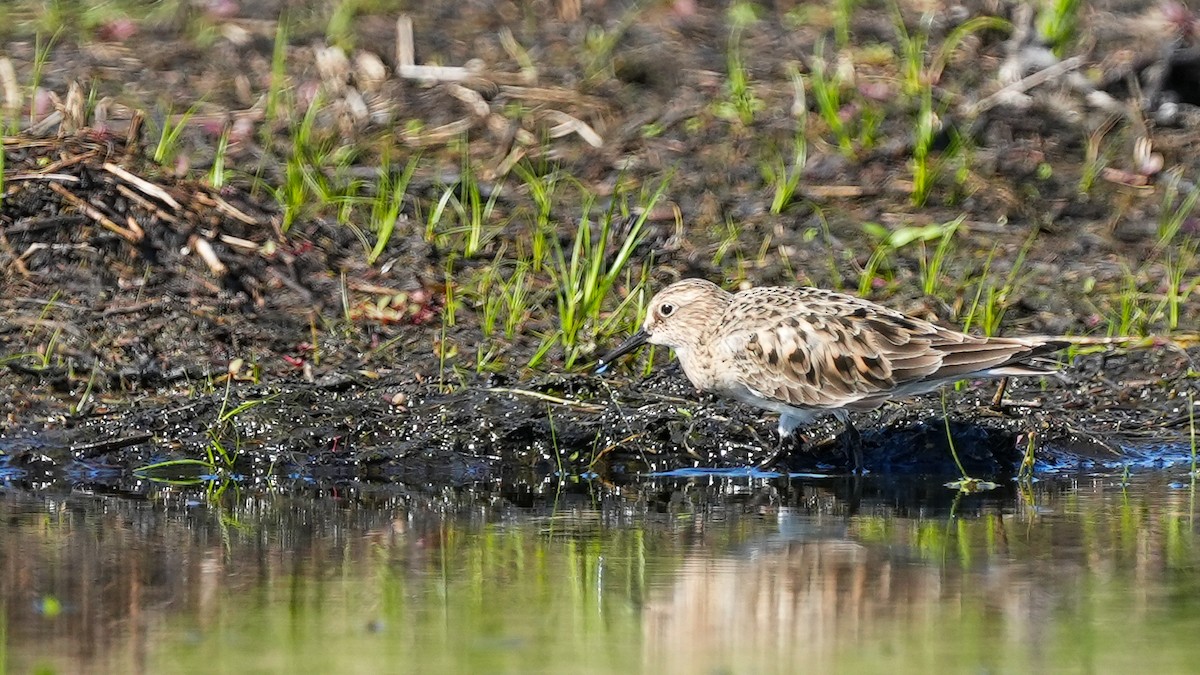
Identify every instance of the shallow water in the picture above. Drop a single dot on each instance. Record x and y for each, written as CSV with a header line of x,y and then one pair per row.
x,y
691,575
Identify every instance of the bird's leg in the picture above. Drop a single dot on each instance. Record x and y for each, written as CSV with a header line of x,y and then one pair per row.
x,y
852,445
789,440
999,397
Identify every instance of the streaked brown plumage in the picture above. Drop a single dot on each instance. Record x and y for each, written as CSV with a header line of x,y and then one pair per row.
x,y
807,352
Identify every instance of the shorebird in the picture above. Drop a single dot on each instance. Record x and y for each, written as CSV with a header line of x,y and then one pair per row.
x,y
806,353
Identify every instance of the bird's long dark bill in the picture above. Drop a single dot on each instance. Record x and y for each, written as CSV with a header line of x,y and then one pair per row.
x,y
636,340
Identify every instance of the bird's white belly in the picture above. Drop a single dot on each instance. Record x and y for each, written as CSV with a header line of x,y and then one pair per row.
x,y
707,374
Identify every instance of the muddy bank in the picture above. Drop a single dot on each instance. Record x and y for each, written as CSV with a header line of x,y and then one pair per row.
x,y
154,314
1109,411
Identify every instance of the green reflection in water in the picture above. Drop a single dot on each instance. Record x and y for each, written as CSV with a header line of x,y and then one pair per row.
x,y
501,599
680,577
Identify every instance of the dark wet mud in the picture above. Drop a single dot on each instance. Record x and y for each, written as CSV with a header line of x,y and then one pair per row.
x,y
359,429
149,318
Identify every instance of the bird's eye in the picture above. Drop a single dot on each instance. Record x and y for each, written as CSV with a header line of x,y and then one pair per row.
x,y
666,310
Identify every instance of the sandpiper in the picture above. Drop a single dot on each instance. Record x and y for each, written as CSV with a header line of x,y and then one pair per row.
x,y
806,352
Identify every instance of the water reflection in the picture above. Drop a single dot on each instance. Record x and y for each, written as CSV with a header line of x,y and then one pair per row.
x,y
682,576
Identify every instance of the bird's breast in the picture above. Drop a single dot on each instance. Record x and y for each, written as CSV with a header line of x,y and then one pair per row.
x,y
699,369
712,371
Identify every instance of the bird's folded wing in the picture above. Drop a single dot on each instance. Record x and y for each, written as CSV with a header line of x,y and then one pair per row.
x,y
831,360
828,350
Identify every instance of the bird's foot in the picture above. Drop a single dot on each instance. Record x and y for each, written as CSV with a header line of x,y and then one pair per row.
x,y
782,449
852,446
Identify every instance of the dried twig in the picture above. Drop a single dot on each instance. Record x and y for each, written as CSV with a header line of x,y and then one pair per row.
x,y
64,177
573,125
590,407
69,161
142,184
442,134
225,207
551,95
1024,84
146,204
94,213
133,133
474,100
407,67
9,85
203,248
238,242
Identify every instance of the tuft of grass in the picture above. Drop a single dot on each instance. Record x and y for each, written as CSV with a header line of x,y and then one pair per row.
x,y
843,12
1095,157
924,174
783,178
931,266
305,185
167,147
490,301
1058,23
991,300
278,84
517,297
1180,262
913,47
450,304
888,242
741,103
585,277
348,207
729,242
293,194
1129,310
599,44
387,206
464,201
1153,295
827,92
216,175
1176,208
475,213
220,457
339,30
217,455
41,55
542,189
43,353
917,81
55,15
